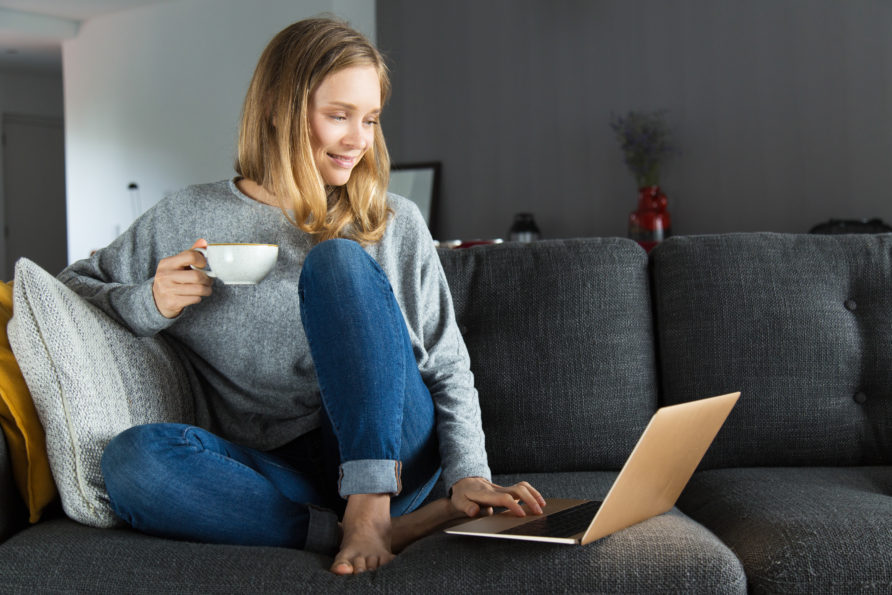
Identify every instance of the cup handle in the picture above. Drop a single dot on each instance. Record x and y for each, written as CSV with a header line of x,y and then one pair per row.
x,y
207,272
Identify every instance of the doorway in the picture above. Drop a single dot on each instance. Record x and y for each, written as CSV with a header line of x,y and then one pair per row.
x,y
34,224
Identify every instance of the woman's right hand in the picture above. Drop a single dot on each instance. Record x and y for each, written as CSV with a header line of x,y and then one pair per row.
x,y
473,495
177,284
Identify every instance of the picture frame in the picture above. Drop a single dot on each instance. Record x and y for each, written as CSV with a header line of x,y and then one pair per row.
x,y
420,183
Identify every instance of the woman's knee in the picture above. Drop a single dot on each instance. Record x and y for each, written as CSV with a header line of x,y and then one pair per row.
x,y
333,262
130,447
132,460
334,251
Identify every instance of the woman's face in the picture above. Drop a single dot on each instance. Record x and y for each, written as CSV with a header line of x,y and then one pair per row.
x,y
344,111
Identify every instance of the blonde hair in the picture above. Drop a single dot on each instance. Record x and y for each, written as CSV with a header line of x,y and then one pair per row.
x,y
274,147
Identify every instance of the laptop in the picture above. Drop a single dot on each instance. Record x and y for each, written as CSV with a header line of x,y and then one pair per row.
x,y
665,458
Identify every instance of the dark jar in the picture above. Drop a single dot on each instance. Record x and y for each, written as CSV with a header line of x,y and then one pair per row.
x,y
524,228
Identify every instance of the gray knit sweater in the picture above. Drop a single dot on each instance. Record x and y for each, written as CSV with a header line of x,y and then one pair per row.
x,y
246,342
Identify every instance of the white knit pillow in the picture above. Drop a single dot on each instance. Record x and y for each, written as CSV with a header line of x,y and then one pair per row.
x,y
90,379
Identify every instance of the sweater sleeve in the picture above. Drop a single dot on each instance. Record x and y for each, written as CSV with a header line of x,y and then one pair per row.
x,y
447,373
440,351
118,278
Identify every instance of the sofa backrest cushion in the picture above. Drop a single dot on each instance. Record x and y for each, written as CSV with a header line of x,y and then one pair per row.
x,y
561,341
801,324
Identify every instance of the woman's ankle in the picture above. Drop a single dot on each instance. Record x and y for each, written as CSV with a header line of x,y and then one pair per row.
x,y
366,511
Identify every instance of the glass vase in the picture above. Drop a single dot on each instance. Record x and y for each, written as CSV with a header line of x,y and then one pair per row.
x,y
650,223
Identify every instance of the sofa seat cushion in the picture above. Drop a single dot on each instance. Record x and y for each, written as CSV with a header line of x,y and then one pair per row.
x,y
800,324
801,530
670,553
560,335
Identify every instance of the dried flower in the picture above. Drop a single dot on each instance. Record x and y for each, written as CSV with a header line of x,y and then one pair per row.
x,y
644,139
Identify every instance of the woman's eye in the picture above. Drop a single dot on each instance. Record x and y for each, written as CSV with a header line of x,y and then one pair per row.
x,y
371,122
338,118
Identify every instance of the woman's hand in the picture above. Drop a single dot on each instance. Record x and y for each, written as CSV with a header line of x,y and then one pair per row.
x,y
473,494
177,284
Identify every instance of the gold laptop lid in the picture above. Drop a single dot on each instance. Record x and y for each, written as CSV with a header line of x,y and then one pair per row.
x,y
665,458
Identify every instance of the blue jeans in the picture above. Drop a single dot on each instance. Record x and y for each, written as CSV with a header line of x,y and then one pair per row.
x,y
378,433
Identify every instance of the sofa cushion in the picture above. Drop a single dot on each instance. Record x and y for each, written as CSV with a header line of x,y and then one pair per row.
x,y
90,379
561,344
670,553
801,530
801,324
21,425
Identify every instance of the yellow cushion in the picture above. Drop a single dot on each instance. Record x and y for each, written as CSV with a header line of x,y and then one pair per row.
x,y
21,426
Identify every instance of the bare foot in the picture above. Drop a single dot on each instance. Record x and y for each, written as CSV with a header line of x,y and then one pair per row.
x,y
371,542
367,529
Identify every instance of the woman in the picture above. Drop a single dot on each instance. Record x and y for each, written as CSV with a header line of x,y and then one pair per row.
x,y
339,385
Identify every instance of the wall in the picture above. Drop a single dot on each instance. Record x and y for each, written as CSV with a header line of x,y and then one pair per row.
x,y
783,110
153,96
30,94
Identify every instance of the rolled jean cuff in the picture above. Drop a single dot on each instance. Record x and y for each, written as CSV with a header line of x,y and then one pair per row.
x,y
323,534
370,476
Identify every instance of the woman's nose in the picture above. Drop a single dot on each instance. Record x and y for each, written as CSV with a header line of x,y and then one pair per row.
x,y
356,137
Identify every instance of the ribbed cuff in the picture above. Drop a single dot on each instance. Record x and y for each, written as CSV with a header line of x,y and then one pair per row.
x,y
370,476
145,319
323,534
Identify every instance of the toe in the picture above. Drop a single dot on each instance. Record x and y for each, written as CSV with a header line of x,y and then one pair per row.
x,y
342,567
359,565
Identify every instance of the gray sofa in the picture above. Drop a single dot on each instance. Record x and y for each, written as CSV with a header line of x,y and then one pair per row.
x,y
574,344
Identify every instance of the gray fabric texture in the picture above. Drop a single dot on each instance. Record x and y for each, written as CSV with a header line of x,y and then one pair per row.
x,y
669,553
90,379
561,343
247,342
801,530
801,324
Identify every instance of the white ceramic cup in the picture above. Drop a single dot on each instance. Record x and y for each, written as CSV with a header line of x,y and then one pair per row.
x,y
239,264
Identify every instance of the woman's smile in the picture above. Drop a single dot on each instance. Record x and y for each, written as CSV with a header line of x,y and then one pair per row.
x,y
343,160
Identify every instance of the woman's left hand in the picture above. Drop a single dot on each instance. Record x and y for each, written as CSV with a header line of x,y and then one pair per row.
x,y
473,494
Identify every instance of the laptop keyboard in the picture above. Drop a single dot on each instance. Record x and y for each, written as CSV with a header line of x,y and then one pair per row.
x,y
565,523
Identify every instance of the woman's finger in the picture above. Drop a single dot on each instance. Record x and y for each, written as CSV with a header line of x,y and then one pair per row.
x,y
188,277
533,490
497,497
528,494
183,260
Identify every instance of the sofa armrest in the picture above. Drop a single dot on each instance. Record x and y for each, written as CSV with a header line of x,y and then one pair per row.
x,y
12,509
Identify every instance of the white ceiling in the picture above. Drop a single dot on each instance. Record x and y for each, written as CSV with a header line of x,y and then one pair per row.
x,y
32,31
